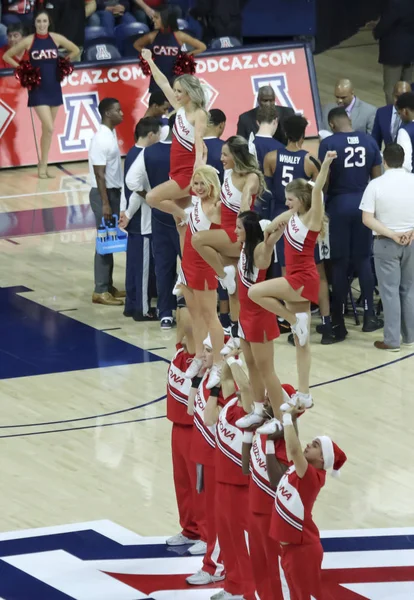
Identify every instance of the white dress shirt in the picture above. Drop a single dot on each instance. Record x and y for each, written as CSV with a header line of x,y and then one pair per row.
x,y
405,141
104,151
390,198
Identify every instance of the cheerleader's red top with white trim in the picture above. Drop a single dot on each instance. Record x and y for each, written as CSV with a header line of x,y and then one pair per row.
x,y
229,440
300,258
261,494
182,150
178,387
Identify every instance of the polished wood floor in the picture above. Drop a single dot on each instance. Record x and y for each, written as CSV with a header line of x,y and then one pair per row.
x,y
66,458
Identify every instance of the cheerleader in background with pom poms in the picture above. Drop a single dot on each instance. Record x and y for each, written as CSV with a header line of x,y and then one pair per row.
x,y
165,43
46,96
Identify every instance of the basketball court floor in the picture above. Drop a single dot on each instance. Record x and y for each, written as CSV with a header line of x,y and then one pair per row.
x,y
87,494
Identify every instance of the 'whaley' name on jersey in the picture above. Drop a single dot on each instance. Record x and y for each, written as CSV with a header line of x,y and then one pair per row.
x,y
291,160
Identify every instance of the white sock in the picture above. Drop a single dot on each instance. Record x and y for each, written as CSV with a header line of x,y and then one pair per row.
x,y
258,408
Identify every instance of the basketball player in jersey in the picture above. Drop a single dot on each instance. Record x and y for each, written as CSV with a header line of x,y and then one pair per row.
x,y
190,511
281,167
263,141
165,42
188,148
292,525
301,226
359,159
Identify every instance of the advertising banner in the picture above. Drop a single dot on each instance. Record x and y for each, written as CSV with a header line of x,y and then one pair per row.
x,y
231,79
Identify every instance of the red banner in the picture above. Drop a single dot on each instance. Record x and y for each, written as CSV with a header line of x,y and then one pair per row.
x,y
231,81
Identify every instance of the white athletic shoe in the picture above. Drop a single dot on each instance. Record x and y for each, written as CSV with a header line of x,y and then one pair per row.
x,y
301,328
194,368
228,282
223,595
298,399
179,540
270,427
232,344
215,376
177,288
203,578
198,549
250,420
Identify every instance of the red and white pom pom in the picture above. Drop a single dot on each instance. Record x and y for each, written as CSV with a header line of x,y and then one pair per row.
x,y
184,64
145,68
28,75
64,67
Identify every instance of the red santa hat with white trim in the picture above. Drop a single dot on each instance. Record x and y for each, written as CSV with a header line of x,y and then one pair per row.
x,y
333,457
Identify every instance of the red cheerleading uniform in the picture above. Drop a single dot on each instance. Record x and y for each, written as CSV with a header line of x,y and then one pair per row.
x,y
300,259
182,150
230,205
191,511
203,453
195,272
232,497
292,524
264,549
256,324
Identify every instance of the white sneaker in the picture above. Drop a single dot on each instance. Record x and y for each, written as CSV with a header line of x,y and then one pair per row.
x,y
232,344
300,328
228,282
198,548
179,540
194,368
215,376
203,578
296,400
250,420
223,595
270,427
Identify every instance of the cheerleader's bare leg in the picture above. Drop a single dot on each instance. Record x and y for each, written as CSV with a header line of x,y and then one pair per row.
x,y
212,246
206,303
166,197
303,356
47,116
199,327
256,380
263,355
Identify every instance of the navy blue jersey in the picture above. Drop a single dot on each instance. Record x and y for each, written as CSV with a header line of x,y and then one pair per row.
x,y
290,165
157,166
265,144
214,147
409,128
165,49
44,54
134,226
350,172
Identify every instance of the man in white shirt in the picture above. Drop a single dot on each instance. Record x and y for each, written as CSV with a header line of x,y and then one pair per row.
x,y
388,209
105,172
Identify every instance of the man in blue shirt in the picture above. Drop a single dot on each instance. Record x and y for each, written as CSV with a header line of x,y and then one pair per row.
x,y
215,129
358,161
405,138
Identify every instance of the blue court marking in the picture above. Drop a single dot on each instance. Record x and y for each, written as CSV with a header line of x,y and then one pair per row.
x,y
110,414
16,435
67,172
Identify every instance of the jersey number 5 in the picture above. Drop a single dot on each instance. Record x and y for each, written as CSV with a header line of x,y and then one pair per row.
x,y
287,174
354,157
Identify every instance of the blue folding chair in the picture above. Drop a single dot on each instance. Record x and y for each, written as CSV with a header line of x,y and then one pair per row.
x,y
97,35
126,35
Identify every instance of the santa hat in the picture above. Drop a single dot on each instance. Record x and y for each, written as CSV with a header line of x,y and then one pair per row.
x,y
288,391
333,457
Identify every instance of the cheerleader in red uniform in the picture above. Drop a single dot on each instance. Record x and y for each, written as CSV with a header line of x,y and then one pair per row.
x,y
292,525
266,461
199,282
301,226
203,453
188,99
190,510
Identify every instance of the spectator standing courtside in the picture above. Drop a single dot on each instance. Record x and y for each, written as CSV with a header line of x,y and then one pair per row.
x,y
388,209
361,113
387,120
248,124
395,32
405,107
105,172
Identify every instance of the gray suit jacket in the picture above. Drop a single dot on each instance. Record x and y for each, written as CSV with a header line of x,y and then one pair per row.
x,y
362,116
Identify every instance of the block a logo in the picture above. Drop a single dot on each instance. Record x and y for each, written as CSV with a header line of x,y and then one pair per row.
x,y
280,85
6,116
102,52
82,121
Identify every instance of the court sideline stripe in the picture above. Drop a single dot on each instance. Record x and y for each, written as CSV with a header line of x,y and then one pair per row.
x,y
67,172
16,435
110,414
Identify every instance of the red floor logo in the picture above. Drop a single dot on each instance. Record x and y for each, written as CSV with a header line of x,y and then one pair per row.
x,y
6,116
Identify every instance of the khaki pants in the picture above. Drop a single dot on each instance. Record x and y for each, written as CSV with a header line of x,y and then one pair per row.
x,y
392,74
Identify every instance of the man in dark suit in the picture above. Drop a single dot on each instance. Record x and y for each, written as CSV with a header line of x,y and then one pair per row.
x,y
395,32
387,122
248,121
